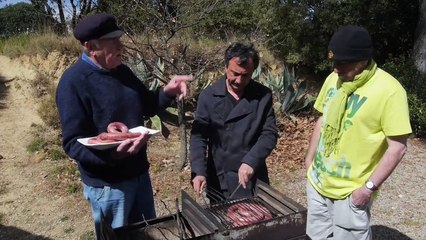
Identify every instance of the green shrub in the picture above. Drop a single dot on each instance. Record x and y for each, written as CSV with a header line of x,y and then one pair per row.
x,y
3,188
404,69
36,145
69,230
417,115
73,187
56,154
89,235
48,112
41,85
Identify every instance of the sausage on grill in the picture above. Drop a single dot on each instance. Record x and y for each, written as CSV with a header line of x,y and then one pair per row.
x,y
241,214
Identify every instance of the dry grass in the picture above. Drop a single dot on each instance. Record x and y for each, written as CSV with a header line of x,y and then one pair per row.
x,y
38,44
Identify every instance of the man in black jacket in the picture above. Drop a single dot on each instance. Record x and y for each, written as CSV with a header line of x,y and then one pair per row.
x,y
234,129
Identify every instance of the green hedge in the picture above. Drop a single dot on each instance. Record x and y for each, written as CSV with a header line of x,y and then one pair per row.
x,y
403,69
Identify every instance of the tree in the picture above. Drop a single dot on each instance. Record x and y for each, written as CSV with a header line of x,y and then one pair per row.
x,y
46,14
301,29
19,18
419,50
60,8
153,27
237,18
81,8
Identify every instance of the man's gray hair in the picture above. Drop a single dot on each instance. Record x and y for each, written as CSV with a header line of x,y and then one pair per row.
x,y
94,43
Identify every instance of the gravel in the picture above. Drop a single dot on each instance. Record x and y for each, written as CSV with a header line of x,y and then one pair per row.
x,y
399,212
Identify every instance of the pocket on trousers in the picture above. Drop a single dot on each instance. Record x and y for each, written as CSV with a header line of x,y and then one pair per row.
x,y
93,193
349,216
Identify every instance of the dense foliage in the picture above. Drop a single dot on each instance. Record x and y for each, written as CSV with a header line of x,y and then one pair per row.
x,y
19,18
190,35
302,29
297,31
404,70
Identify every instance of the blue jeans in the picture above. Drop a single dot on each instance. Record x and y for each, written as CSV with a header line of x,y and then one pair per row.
x,y
122,203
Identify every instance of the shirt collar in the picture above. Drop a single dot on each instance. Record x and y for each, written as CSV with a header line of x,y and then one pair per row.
x,y
87,59
220,88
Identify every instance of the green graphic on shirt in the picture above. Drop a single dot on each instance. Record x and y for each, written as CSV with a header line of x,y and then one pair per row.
x,y
339,168
347,124
354,103
330,93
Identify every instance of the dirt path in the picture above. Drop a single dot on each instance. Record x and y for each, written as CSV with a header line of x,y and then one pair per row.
x,y
29,211
25,212
398,213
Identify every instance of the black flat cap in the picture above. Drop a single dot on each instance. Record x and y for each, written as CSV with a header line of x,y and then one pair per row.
x,y
350,43
99,26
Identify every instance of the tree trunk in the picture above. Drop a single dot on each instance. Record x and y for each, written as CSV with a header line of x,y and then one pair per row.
x,y
182,135
419,50
62,22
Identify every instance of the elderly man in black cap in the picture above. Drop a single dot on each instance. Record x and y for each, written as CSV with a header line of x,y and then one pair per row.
x,y
94,92
357,142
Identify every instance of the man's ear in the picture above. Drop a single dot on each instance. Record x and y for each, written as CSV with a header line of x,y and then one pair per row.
x,y
89,46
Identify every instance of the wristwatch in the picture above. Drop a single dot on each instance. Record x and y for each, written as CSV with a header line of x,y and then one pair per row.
x,y
370,186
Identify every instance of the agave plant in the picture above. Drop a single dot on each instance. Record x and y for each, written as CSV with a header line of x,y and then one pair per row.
x,y
141,71
257,73
290,91
295,95
152,82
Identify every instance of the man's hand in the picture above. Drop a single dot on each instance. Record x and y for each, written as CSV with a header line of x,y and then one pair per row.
x,y
245,172
198,183
361,196
177,86
131,146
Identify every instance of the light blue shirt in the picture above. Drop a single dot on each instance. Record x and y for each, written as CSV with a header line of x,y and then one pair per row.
x,y
87,59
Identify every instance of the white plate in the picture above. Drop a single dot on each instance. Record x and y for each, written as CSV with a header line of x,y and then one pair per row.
x,y
103,146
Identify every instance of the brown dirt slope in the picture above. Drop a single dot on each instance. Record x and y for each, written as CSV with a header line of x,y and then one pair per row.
x,y
27,209
30,208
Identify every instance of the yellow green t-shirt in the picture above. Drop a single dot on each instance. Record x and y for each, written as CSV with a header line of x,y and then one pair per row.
x,y
374,111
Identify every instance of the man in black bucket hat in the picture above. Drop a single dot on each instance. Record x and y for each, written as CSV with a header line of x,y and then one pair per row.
x,y
94,92
357,142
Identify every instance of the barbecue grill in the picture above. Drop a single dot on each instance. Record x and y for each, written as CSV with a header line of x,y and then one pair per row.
x,y
285,219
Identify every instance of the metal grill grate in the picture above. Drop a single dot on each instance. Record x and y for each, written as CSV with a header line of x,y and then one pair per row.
x,y
285,219
241,212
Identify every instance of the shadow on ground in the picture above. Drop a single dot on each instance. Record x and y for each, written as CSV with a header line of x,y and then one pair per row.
x,y
7,232
3,91
381,232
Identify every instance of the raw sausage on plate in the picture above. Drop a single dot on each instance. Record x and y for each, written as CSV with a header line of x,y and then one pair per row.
x,y
117,131
112,139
